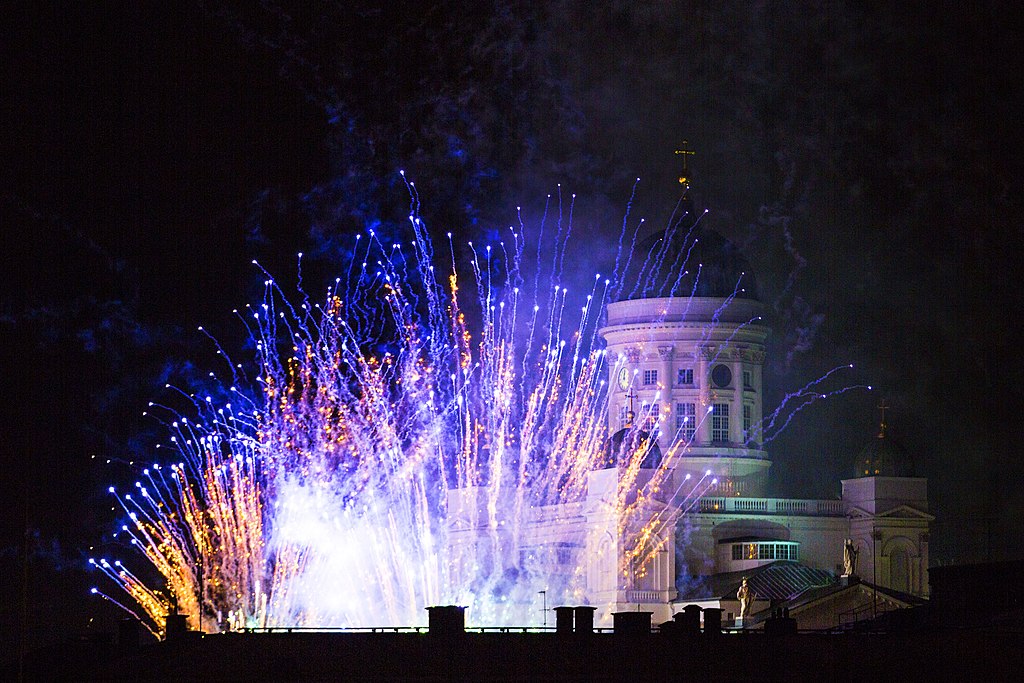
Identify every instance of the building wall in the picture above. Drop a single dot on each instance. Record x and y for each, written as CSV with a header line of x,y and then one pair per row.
x,y
648,342
820,538
889,523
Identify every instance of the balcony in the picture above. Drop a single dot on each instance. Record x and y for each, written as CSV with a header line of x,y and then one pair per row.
x,y
773,506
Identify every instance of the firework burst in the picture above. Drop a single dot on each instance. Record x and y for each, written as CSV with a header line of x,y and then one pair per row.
x,y
383,425
387,454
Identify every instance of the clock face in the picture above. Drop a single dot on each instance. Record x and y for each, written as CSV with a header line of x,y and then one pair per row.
x,y
624,378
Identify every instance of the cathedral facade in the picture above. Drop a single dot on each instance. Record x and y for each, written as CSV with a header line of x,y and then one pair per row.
x,y
693,366
685,357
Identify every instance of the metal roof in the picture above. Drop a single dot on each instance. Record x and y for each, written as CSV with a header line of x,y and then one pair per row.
x,y
777,581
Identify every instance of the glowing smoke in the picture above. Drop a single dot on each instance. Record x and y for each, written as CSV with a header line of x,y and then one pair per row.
x,y
327,501
393,459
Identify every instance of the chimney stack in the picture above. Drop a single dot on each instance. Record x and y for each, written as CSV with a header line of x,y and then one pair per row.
x,y
584,618
446,620
563,619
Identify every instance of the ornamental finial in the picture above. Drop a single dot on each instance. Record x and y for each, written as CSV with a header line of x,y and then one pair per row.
x,y
684,175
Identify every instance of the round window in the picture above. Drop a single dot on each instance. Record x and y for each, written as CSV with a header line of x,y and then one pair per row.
x,y
721,375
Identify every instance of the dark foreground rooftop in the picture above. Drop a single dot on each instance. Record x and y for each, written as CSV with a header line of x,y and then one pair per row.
x,y
750,656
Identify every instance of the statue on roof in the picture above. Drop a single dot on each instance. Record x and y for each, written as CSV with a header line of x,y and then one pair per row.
x,y
850,553
746,597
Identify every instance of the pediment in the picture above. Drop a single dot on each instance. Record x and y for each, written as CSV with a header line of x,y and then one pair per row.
x,y
855,512
458,524
898,512
906,512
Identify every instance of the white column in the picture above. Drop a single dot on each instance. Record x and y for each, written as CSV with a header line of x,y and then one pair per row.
x,y
736,417
703,436
668,383
757,414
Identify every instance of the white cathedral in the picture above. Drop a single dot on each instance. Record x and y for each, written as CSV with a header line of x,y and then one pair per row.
x,y
688,368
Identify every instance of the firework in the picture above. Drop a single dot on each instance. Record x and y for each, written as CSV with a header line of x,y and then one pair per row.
x,y
388,454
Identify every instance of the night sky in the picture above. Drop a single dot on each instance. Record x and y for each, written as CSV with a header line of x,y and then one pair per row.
x,y
865,157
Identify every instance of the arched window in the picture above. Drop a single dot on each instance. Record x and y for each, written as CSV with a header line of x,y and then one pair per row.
x,y
899,569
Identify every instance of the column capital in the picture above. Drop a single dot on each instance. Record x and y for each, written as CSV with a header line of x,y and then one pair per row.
x,y
753,356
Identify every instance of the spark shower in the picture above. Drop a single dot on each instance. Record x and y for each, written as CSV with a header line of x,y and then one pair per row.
x,y
324,492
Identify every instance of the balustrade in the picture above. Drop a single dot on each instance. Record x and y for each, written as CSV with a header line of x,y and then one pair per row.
x,y
645,596
773,506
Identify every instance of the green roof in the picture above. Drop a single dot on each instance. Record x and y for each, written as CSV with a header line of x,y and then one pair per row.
x,y
777,581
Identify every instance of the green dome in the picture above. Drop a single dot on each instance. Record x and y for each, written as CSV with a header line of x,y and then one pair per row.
x,y
883,457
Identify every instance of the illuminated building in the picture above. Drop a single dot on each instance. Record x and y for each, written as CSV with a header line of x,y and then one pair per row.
x,y
450,470
685,353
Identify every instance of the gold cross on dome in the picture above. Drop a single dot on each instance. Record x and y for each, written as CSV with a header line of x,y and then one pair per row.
x,y
684,176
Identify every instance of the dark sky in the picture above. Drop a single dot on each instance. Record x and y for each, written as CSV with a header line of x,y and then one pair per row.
x,y
864,155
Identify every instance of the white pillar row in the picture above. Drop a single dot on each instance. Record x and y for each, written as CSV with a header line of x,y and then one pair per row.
x,y
757,414
667,354
703,436
736,417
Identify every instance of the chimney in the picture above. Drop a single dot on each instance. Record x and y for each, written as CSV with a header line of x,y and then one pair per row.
x,y
563,619
632,623
446,620
780,623
689,619
585,619
712,621
175,628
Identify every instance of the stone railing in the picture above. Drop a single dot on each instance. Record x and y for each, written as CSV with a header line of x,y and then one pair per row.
x,y
773,506
645,596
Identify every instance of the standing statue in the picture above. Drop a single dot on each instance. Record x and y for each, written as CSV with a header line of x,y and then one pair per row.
x,y
849,557
746,597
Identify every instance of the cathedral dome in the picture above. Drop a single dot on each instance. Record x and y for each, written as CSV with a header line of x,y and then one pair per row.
x,y
883,457
671,262
625,441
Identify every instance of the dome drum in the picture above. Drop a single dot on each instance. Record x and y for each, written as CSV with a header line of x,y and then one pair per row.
x,y
684,310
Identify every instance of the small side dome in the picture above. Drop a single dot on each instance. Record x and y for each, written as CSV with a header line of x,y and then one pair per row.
x,y
627,441
883,457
